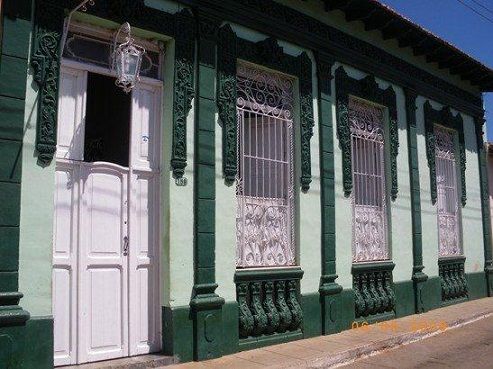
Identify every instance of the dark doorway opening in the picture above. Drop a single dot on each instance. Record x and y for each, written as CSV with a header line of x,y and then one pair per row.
x,y
107,129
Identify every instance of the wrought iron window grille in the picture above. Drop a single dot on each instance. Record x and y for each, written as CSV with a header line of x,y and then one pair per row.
x,y
448,209
369,196
264,183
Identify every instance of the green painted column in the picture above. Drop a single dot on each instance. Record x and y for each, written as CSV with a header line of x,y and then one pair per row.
x,y
418,277
485,205
206,304
15,32
329,289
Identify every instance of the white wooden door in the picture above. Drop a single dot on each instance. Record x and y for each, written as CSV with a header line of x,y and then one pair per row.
x,y
106,234
103,264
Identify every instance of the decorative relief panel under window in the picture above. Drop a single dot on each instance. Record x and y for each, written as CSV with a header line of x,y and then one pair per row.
x,y
369,196
447,194
265,192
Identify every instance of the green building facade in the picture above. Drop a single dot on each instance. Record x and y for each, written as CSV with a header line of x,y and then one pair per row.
x,y
355,235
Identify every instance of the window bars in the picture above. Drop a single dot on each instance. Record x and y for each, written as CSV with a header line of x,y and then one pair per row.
x,y
264,188
368,196
447,200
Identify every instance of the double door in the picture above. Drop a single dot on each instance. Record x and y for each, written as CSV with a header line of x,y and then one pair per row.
x,y
106,223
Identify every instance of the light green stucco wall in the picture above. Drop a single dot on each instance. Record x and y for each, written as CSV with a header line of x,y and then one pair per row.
x,y
36,223
177,204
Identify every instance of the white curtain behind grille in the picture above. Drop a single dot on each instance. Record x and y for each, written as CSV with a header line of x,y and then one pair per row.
x,y
265,180
368,196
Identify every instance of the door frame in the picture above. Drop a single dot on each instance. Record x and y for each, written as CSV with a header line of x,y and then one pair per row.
x,y
156,85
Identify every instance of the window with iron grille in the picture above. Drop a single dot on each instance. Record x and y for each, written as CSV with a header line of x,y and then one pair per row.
x,y
369,198
264,188
447,194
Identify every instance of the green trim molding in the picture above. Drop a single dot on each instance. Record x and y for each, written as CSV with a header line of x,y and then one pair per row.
x,y
446,118
328,287
27,346
368,89
418,276
485,205
282,22
266,53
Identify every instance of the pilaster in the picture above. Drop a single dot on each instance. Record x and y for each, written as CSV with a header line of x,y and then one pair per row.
x,y
329,289
485,207
206,304
418,277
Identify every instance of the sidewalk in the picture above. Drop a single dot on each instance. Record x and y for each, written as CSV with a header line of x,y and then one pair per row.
x,y
328,351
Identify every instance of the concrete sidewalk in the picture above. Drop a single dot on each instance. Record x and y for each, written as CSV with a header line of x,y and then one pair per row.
x,y
337,349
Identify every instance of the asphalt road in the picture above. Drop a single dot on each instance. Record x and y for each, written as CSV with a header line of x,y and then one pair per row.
x,y
467,347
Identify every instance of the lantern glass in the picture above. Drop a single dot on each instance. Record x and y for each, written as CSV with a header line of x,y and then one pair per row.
x,y
127,61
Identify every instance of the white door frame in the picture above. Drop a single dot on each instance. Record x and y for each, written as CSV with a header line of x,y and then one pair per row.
x,y
133,171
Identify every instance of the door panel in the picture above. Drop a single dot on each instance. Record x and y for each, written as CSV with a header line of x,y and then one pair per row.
x,y
145,127
71,114
144,296
103,265
144,222
65,264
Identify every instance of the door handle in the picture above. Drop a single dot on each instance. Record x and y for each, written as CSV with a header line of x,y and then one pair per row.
x,y
125,246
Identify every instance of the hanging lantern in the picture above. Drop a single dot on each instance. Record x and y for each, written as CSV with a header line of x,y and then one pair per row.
x,y
127,59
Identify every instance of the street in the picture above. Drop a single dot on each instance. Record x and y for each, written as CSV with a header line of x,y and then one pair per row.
x,y
469,347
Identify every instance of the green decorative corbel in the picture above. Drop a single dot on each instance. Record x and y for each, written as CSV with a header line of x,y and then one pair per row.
x,y
368,89
45,61
447,119
306,118
183,88
226,100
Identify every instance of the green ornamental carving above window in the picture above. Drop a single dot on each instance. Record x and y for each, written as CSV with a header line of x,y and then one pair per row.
x,y
267,53
447,119
368,89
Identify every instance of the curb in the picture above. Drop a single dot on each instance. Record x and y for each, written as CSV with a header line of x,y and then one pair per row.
x,y
352,354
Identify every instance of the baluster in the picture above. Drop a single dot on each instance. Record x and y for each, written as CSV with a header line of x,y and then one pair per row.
x,y
463,279
259,316
294,306
377,302
389,290
273,317
282,307
246,318
384,298
366,295
358,297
